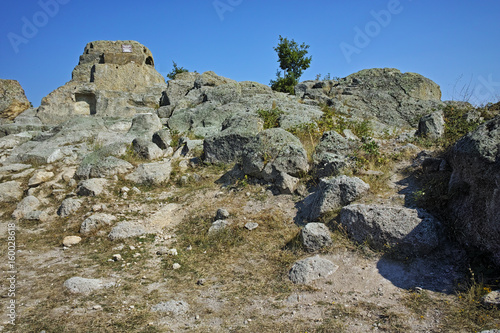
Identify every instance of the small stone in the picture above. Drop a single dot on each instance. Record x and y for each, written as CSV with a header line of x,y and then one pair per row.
x,y
124,189
221,214
40,177
217,226
117,257
492,298
172,252
251,225
176,266
71,240
136,190
200,282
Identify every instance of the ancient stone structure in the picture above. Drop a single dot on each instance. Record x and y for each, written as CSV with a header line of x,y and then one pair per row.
x,y
112,78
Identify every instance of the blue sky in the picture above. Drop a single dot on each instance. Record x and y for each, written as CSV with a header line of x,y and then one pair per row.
x,y
455,43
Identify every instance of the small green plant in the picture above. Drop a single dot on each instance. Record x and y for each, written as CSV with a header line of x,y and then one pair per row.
x,y
176,70
243,182
175,135
370,147
131,155
270,117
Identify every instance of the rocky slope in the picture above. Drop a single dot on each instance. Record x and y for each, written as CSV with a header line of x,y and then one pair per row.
x,y
206,204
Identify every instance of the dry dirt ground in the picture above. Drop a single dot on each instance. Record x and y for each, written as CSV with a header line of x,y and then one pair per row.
x,y
235,281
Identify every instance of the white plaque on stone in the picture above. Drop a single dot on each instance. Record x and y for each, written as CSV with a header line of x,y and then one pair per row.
x,y
127,48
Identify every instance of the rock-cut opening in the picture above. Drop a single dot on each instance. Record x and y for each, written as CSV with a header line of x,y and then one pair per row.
x,y
149,61
85,103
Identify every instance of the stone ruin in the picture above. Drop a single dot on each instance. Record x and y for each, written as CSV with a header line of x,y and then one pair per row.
x,y
112,78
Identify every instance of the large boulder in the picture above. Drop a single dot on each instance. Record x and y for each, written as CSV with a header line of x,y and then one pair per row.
x,y
431,126
154,173
112,78
315,236
274,151
474,189
13,100
307,270
332,154
410,232
332,195
383,94
227,146
10,191
97,165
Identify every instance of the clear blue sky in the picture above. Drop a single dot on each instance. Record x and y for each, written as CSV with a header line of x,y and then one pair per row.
x,y
455,43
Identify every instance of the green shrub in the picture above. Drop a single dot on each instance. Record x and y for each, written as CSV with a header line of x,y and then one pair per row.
x,y
270,117
456,124
176,70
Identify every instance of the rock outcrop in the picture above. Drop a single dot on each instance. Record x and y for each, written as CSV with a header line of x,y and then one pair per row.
x,y
409,232
112,78
274,151
384,95
474,189
332,194
13,100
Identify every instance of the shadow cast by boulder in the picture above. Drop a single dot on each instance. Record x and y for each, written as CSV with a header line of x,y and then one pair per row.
x,y
438,272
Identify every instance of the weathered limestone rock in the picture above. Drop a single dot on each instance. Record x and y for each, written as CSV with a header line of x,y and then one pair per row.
x,y
221,214
10,191
95,222
227,146
146,149
333,194
113,78
383,94
410,232
69,206
95,165
27,205
492,298
151,173
13,100
315,236
39,177
71,240
79,285
91,187
431,125
126,230
474,188
307,270
286,184
332,154
217,226
273,151
162,138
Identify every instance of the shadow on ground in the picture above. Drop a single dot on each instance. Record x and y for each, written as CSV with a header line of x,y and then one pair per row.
x,y
439,271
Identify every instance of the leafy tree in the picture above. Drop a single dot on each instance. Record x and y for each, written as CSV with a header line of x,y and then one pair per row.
x,y
176,70
293,61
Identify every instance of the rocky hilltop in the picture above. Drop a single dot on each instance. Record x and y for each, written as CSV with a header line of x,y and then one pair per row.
x,y
106,82
207,204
